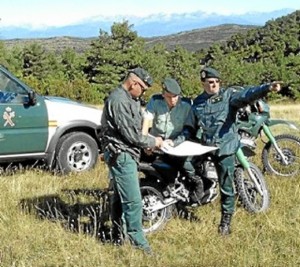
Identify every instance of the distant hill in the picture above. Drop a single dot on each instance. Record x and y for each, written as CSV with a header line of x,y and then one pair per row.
x,y
56,44
200,38
191,40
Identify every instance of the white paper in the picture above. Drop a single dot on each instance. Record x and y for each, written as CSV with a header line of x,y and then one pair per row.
x,y
187,148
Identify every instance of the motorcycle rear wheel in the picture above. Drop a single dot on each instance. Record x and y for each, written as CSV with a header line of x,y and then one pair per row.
x,y
152,221
248,194
272,161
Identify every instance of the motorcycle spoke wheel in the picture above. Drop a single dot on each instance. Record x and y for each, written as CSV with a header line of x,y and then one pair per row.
x,y
152,220
248,195
273,162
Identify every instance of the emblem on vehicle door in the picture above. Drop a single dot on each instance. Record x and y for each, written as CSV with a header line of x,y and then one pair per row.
x,y
8,115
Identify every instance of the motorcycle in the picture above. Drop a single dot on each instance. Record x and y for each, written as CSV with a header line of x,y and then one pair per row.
x,y
281,153
163,187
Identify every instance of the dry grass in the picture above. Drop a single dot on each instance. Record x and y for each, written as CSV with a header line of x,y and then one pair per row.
x,y
29,236
286,111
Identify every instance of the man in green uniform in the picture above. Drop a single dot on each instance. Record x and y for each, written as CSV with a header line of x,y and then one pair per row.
x,y
213,124
170,111
122,139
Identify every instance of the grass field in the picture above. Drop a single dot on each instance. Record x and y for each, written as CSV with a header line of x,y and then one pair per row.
x,y
49,220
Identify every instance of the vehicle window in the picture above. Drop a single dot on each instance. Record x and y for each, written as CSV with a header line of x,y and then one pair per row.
x,y
3,81
9,89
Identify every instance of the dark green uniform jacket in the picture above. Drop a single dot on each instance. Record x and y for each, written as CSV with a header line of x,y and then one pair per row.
x,y
214,116
122,122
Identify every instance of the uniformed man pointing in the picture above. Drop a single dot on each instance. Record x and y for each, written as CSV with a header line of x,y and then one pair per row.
x,y
214,124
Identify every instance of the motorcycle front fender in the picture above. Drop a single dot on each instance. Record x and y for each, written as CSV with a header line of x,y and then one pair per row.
x,y
292,125
248,152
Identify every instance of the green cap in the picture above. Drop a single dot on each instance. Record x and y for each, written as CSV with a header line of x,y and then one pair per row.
x,y
209,73
172,86
143,75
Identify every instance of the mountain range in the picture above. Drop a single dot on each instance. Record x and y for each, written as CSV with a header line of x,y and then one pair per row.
x,y
151,26
193,40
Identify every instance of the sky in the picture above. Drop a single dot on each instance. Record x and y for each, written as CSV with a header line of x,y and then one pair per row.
x,y
41,13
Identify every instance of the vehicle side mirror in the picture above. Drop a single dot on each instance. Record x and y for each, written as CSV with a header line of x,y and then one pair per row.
x,y
31,98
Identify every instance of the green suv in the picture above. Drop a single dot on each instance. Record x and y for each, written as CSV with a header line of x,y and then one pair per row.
x,y
61,132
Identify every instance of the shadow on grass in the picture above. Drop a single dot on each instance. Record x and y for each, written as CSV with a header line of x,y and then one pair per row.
x,y
80,211
85,211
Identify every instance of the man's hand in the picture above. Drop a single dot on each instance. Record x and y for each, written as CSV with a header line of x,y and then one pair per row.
x,y
275,86
168,142
158,142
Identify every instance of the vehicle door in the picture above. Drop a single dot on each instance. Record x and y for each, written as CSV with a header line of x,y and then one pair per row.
x,y
23,125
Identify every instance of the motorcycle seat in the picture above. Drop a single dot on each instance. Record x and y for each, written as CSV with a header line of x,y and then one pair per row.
x,y
159,164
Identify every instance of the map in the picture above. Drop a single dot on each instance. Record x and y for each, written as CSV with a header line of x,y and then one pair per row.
x,y
187,148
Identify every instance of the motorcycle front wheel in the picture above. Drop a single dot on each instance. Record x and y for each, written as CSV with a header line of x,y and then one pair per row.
x,y
272,160
151,197
250,197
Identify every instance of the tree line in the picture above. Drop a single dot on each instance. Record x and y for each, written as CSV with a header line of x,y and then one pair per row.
x,y
261,55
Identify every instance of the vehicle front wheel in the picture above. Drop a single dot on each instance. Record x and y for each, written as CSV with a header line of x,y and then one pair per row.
x,y
76,152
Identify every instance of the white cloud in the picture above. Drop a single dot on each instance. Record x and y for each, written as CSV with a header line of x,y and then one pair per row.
x,y
41,13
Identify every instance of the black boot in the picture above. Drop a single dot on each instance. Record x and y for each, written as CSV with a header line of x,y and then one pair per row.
x,y
224,227
197,191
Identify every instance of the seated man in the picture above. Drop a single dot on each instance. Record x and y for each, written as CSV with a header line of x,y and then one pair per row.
x,y
169,111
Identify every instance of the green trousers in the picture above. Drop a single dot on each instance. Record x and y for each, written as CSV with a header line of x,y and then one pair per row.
x,y
126,201
225,168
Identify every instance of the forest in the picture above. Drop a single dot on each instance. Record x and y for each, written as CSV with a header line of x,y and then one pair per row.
x,y
258,56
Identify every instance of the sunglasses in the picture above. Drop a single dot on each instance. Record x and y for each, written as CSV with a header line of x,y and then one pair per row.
x,y
215,81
